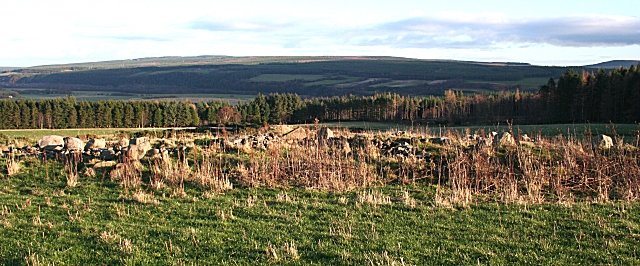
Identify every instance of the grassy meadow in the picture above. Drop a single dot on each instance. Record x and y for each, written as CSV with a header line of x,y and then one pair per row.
x,y
97,222
626,131
555,201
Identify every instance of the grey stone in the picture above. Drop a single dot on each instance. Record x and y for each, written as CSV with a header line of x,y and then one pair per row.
x,y
602,142
138,148
504,139
93,144
51,142
73,144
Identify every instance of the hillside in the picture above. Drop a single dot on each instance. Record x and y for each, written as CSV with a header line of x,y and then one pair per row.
x,y
614,64
310,76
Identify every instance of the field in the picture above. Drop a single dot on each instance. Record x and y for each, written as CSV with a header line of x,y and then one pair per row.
x,y
357,199
627,131
529,84
109,95
35,134
401,83
284,77
98,223
333,81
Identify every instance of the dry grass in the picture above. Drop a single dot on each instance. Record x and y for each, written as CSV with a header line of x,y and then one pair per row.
x,y
306,166
383,259
556,170
209,174
13,166
549,170
129,174
71,173
145,198
373,198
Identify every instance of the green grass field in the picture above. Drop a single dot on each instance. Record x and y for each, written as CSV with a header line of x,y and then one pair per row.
x,y
625,130
284,77
528,83
44,222
107,95
343,79
401,83
35,134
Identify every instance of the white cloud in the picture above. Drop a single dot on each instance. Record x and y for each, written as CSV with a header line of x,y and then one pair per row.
x,y
75,31
488,29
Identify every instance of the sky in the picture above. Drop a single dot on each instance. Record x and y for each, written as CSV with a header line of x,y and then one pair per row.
x,y
540,32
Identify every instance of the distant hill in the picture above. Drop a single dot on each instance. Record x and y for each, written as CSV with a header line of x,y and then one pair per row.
x,y
7,68
614,64
304,75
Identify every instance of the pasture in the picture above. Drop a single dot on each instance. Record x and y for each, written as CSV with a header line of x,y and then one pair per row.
x,y
98,223
528,84
358,199
109,95
627,131
284,77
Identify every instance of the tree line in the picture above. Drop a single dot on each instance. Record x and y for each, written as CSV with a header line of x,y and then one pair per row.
x,y
598,96
69,113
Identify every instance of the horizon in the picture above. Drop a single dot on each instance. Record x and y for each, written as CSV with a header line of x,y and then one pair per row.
x,y
342,56
545,33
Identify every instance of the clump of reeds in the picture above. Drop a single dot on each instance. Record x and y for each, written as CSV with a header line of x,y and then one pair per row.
x,y
71,172
209,174
307,166
549,170
383,259
173,172
373,197
13,166
129,174
145,198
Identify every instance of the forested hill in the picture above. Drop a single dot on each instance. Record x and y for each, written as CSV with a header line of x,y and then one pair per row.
x,y
306,76
614,64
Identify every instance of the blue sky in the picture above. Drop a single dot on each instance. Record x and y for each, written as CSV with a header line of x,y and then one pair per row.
x,y
539,32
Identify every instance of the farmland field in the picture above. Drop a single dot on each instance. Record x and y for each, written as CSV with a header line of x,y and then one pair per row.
x,y
331,81
530,84
35,134
284,77
624,130
401,83
109,95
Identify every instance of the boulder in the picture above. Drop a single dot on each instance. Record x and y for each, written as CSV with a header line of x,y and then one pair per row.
x,y
602,142
296,134
94,144
4,148
504,139
123,142
104,164
324,134
138,148
107,155
341,143
51,142
73,144
441,140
